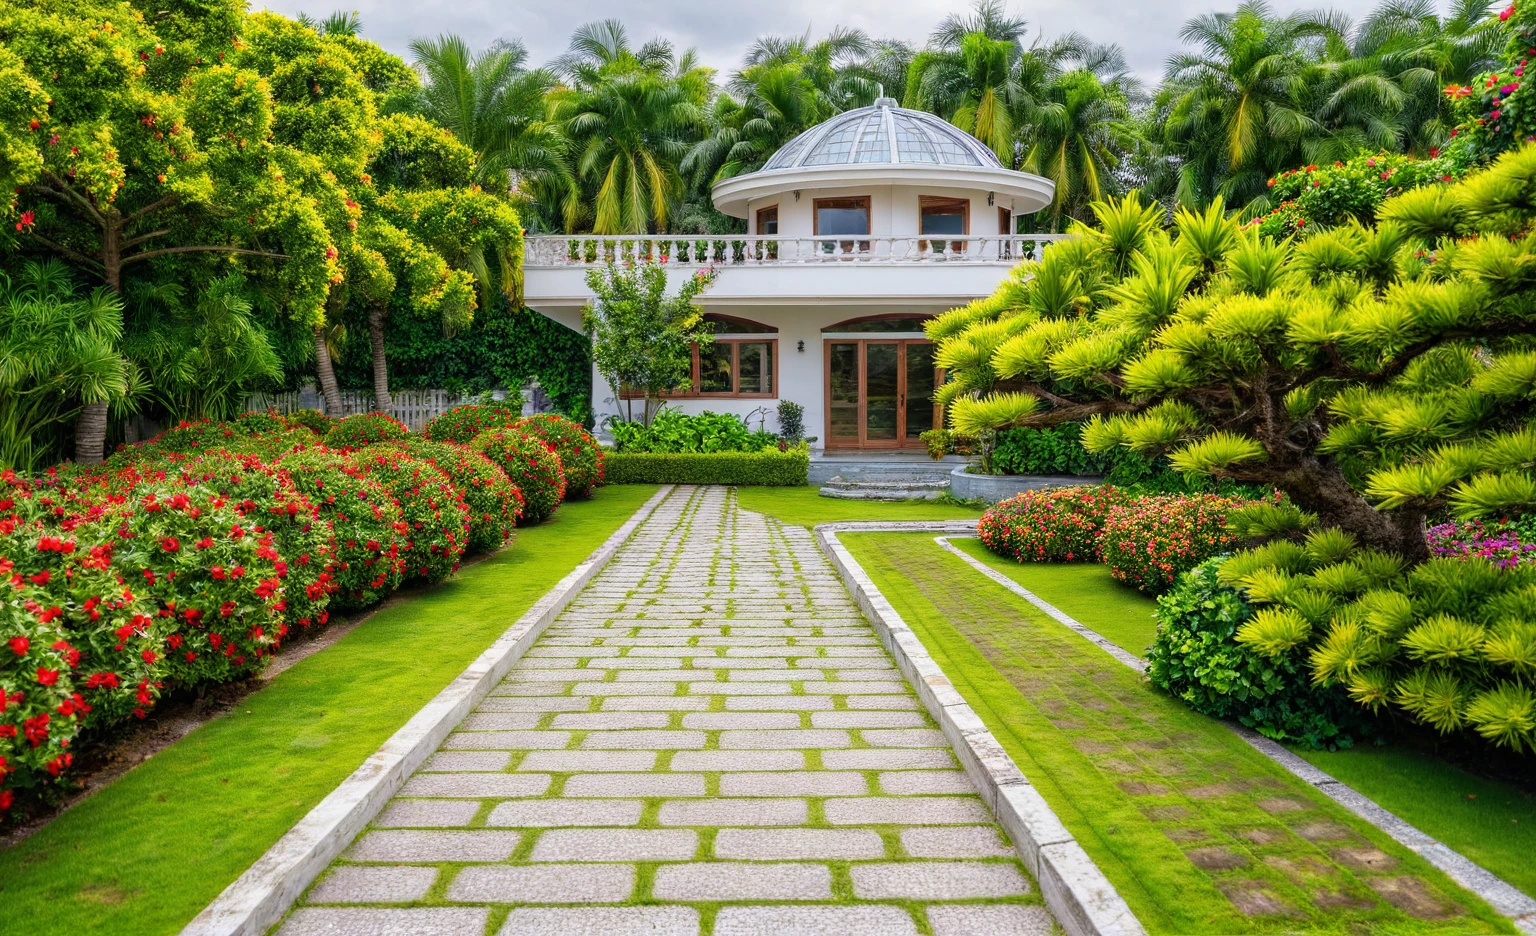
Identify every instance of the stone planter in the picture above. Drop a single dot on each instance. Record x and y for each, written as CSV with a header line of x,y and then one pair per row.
x,y
963,485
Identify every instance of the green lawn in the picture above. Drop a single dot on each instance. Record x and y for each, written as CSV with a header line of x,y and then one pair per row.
x,y
150,851
802,506
1085,591
1198,831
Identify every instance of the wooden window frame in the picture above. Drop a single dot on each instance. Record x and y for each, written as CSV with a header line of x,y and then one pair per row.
x,y
758,229
695,376
924,202
846,201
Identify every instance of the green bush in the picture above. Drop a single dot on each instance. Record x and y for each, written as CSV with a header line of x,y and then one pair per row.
x,y
1313,198
436,518
463,423
354,432
674,431
767,468
366,520
494,502
313,420
580,456
1053,525
532,464
1196,658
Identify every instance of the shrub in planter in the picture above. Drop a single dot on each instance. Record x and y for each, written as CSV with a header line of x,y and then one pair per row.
x,y
313,420
494,502
580,456
1148,542
365,521
1053,525
1197,658
531,464
432,509
463,423
354,432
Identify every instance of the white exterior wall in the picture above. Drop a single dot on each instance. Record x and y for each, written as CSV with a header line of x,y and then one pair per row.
x,y
893,209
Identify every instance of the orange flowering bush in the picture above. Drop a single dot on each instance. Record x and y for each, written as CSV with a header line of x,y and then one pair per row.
x,y
532,465
1051,525
1148,542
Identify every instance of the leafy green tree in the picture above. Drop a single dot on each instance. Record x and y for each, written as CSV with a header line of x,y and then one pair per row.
x,y
1078,134
642,338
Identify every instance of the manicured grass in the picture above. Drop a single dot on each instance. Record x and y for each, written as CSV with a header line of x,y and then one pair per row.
x,y
1189,822
1085,591
1490,822
149,852
802,506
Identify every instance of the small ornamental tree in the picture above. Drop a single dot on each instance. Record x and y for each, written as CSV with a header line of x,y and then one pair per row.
x,y
1375,375
642,338
580,456
531,464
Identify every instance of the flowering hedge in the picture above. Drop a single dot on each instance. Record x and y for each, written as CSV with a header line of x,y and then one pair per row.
x,y
531,464
1148,542
1310,198
313,420
1053,525
365,429
580,456
463,423
365,522
433,512
494,502
1501,544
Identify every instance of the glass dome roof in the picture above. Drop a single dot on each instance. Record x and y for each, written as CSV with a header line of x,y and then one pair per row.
x,y
883,133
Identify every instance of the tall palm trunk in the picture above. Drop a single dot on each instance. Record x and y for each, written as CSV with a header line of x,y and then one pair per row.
x,y
327,374
91,424
381,399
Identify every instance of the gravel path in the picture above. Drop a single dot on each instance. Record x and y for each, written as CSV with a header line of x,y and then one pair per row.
x,y
710,740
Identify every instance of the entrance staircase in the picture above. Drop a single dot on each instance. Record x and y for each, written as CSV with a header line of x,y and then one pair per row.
x,y
882,475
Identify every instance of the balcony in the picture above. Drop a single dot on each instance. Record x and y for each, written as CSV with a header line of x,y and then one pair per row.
x,y
846,269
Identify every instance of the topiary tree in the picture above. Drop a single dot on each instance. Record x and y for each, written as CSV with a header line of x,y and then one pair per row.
x,y
1375,375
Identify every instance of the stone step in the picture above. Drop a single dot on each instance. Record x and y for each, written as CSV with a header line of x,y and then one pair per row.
x,y
905,484
882,492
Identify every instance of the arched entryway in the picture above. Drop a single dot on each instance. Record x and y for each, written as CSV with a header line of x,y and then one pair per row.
x,y
880,378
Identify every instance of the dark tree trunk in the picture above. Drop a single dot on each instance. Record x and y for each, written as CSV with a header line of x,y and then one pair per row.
x,y
1320,487
381,399
327,375
91,424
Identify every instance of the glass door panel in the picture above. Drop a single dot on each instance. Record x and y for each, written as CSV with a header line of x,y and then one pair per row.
x,y
919,389
843,392
882,392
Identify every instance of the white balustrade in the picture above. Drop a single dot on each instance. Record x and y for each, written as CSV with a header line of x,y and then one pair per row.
x,y
592,250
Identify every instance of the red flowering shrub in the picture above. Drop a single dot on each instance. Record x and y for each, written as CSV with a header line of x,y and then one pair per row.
x,y
313,420
435,517
580,456
1052,525
494,502
365,521
253,422
531,464
1150,541
463,423
354,432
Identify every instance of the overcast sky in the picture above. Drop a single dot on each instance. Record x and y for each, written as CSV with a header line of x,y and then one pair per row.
x,y
1147,31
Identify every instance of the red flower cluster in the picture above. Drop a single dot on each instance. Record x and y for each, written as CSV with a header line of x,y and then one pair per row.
x,y
1053,525
1147,543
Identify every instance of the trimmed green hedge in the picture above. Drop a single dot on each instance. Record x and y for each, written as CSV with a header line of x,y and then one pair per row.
x,y
769,468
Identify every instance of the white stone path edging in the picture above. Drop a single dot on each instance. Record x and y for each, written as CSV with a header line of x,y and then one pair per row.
x,y
259,897
1077,893
1500,894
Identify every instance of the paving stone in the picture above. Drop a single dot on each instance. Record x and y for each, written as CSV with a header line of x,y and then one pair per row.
x,y
601,921
636,784
713,721
643,738
803,783
379,921
522,676
779,844
588,761
616,845
741,688
954,842
471,845
624,689
738,760
719,811
656,704
546,704
904,737
611,720
908,782
929,810
884,702
409,813
540,813
783,739
771,704
544,884
371,884
506,740
980,920
773,676
477,785
867,720
814,921
704,880
937,880
460,761
840,687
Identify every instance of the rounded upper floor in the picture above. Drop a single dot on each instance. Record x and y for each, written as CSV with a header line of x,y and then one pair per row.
x,y
881,146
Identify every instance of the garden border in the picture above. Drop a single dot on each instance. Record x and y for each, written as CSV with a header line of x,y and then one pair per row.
x,y
258,898
1077,893
1500,894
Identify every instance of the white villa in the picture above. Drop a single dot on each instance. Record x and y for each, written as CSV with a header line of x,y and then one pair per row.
x,y
859,229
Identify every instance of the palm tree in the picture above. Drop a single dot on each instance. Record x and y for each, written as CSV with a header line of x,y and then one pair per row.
x,y
779,102
832,67
1077,135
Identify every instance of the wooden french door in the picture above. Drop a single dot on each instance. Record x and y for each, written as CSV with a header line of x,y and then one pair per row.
x,y
879,392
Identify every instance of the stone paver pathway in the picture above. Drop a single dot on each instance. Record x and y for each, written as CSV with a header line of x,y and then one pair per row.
x,y
710,740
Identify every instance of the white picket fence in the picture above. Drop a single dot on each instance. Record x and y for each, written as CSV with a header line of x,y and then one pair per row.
x,y
412,407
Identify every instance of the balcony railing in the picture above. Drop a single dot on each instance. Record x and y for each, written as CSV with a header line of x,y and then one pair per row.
x,y
588,250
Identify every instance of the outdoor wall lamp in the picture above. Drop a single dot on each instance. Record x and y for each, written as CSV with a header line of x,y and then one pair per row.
x,y
990,199
800,346
797,194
